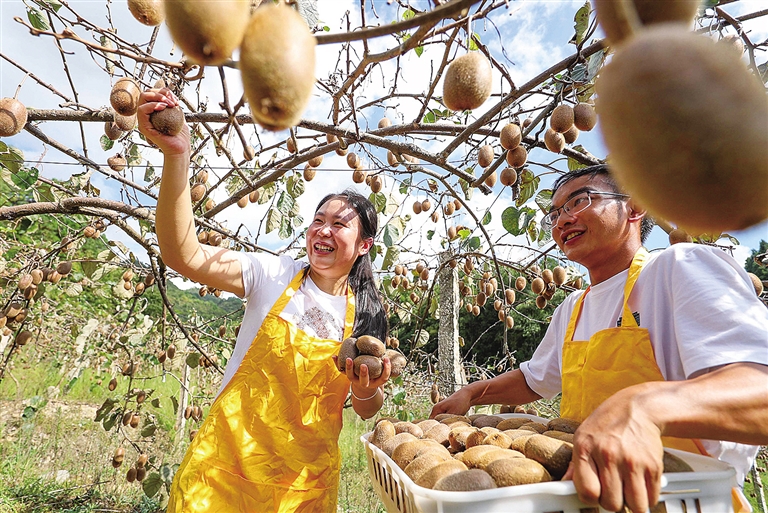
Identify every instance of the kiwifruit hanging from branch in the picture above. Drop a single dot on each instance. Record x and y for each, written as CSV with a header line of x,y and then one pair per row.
x,y
277,64
571,135
147,12
117,162
584,117
554,141
620,18
13,117
168,121
562,118
207,32
652,100
125,96
485,156
125,123
517,157
468,82
510,136
112,131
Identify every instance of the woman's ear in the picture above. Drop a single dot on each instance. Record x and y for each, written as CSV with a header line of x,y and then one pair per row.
x,y
366,245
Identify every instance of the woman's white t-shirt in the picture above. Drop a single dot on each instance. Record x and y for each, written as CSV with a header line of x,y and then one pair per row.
x,y
701,312
265,277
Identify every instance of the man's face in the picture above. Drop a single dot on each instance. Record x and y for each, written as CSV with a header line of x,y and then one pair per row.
x,y
592,235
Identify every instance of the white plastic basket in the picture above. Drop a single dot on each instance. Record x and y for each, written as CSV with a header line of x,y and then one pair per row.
x,y
706,490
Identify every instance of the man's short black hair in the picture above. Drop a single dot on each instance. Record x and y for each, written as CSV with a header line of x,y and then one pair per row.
x,y
602,169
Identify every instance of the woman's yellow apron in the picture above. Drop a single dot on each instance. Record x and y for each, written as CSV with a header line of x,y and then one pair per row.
x,y
270,440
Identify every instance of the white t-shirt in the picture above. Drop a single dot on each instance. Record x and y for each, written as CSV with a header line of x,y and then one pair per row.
x,y
701,312
265,277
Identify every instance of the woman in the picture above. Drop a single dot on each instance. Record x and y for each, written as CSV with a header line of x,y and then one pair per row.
x,y
270,440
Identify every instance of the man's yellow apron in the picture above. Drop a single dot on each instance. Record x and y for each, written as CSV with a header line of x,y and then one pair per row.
x,y
270,440
614,359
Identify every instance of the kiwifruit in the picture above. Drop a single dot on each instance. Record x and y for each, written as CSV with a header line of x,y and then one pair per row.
x,y
64,267
372,362
475,438
309,173
673,463
249,153
141,473
124,96
541,302
397,361
517,157
615,22
117,162
147,12
377,184
485,156
457,437
119,455
517,471
427,424
37,276
679,235
481,298
168,121
571,135
466,481
554,454
562,118
439,433
141,461
130,476
384,430
197,192
384,122
508,177
30,292
242,202
417,207
584,117
499,439
277,64
659,152
315,161
439,471
518,440
13,117
25,280
112,384
497,453
450,418
353,161
369,345
491,179
559,435
358,176
756,282
425,461
171,351
538,285
449,208
23,338
563,424
547,276
468,82
253,197
192,434
520,283
554,141
406,452
388,446
408,427
510,136
207,32
486,420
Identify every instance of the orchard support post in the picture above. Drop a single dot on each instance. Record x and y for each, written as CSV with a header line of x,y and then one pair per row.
x,y
450,375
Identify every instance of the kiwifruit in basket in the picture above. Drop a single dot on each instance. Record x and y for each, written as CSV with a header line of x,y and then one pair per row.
x,y
424,462
499,439
348,349
488,430
518,444
458,437
475,438
390,445
487,420
537,427
408,451
466,481
439,433
454,419
673,463
371,346
427,424
559,435
408,427
517,471
512,423
496,454
554,454
433,475
383,431
564,425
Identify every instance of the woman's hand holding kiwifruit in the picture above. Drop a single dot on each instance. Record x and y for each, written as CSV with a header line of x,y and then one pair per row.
x,y
157,100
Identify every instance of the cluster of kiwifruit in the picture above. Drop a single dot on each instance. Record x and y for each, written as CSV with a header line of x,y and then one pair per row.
x,y
420,280
545,285
661,82
167,354
479,452
367,350
207,289
13,117
468,82
94,230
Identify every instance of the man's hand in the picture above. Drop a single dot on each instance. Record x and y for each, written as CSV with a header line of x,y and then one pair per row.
x,y
153,100
617,457
457,403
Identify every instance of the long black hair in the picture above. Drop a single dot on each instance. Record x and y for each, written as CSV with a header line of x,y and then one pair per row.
x,y
370,318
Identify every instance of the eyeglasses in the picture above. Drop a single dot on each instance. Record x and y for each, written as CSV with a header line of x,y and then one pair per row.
x,y
573,206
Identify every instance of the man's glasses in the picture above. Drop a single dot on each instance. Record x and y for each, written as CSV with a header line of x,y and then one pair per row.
x,y
575,205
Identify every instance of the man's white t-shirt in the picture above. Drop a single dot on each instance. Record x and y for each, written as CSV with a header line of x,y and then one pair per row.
x,y
265,277
701,312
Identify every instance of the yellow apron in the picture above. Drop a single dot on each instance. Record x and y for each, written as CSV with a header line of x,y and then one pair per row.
x,y
611,360
270,440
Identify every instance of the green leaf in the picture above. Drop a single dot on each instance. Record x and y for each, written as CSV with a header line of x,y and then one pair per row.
x,y
594,63
379,201
53,4
405,185
274,218
528,185
89,267
104,409
25,177
408,14
390,257
574,164
487,218
267,192
155,402
464,233
167,472
429,117
430,234
544,200
419,50
391,234
12,159
326,28
134,156
36,19
109,422
471,42
474,243
295,185
149,173
286,228
421,339
533,230
175,404
193,360
148,430
581,22
106,143
515,221
151,484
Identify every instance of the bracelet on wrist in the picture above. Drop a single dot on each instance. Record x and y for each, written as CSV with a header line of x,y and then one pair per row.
x,y
352,391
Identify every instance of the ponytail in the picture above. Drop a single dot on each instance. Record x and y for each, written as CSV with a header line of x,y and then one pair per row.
x,y
370,318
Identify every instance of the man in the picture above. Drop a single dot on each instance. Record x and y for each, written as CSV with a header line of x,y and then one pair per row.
x,y
684,356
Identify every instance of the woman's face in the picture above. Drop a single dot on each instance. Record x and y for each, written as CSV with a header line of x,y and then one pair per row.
x,y
334,239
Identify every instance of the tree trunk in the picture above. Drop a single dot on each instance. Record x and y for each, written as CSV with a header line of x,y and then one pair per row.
x,y
450,371
183,401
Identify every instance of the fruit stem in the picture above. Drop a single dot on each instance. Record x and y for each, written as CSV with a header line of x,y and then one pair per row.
x,y
18,89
